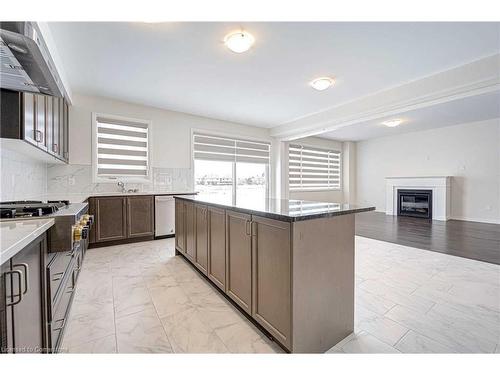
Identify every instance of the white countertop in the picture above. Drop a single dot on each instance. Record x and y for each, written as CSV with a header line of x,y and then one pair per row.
x,y
78,198
15,235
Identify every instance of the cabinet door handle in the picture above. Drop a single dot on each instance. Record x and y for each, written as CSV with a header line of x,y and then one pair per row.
x,y
26,273
247,228
19,278
253,228
38,135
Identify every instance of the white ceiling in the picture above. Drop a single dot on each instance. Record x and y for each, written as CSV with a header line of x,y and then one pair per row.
x,y
471,109
185,66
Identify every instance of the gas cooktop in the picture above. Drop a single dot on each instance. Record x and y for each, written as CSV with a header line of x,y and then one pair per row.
x,y
12,209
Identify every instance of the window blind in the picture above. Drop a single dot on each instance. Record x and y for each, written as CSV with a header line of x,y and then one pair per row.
x,y
313,168
209,147
122,148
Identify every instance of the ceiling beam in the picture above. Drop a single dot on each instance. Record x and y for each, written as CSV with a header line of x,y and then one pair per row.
x,y
475,78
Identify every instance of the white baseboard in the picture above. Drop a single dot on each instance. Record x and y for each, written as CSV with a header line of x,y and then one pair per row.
x,y
475,219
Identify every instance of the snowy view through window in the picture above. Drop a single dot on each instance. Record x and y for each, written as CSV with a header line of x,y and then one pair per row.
x,y
214,180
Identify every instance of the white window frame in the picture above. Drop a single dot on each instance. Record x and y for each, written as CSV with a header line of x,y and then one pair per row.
x,y
241,138
287,176
129,179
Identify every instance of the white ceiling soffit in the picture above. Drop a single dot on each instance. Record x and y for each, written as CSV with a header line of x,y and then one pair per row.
x,y
476,78
184,66
465,110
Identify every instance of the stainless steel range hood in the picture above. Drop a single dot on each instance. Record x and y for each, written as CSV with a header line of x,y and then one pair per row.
x,y
25,61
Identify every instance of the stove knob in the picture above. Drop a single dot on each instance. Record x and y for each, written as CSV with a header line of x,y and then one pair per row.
x,y
85,232
77,233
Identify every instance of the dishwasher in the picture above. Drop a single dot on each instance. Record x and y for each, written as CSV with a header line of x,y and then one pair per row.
x,y
164,216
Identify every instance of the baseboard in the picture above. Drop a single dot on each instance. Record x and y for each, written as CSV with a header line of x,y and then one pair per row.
x,y
476,220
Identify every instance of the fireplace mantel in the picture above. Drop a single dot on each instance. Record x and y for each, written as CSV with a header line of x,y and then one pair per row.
x,y
441,193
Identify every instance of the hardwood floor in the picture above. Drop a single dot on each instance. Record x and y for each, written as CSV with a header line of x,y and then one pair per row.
x,y
466,239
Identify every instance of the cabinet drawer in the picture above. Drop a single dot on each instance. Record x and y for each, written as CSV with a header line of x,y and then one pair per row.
x,y
56,271
58,320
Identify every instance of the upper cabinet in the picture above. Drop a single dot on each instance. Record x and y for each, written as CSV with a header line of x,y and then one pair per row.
x,y
40,120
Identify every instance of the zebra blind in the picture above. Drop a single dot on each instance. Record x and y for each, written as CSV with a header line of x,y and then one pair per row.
x,y
313,168
122,148
209,147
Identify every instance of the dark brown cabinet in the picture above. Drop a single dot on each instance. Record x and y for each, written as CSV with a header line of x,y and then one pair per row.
x,y
271,276
180,234
201,237
110,218
190,230
140,213
24,316
217,246
41,120
120,218
239,259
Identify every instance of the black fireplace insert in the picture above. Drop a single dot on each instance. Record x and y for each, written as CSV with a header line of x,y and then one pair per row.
x,y
415,203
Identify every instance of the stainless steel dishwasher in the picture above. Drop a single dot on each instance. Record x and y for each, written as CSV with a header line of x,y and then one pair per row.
x,y
164,216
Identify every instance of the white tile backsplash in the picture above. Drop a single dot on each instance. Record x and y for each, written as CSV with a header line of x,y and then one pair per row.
x,y
77,179
22,177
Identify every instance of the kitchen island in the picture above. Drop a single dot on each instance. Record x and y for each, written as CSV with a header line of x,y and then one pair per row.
x,y
287,264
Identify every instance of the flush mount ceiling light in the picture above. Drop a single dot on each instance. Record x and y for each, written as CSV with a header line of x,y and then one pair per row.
x,y
392,123
239,41
321,83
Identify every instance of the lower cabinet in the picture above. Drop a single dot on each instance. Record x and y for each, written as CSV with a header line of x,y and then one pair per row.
x,y
140,215
190,229
110,218
239,259
271,277
121,218
180,233
247,256
216,218
201,237
24,320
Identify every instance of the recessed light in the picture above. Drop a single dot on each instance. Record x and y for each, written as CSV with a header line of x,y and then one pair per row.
x,y
321,83
239,41
392,123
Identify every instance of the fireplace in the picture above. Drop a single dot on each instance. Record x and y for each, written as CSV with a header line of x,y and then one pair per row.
x,y
415,203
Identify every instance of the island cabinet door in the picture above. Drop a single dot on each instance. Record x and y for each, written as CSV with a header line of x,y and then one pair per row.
x,y
271,254
111,219
190,231
180,231
239,259
217,246
201,237
140,211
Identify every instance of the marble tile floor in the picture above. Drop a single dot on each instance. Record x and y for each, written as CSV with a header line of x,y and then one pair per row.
x,y
140,298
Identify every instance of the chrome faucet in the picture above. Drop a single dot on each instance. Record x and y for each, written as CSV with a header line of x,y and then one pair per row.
x,y
122,186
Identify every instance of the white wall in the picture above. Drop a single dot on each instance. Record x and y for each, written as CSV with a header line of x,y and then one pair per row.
x,y
323,195
468,152
170,135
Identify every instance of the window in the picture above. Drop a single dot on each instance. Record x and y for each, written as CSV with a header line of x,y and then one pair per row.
x,y
121,148
231,170
313,168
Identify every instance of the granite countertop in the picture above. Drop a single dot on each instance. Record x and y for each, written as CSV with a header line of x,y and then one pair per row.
x,y
283,209
15,235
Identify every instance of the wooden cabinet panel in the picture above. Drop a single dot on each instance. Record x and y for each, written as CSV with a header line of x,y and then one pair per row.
x,y
217,246
201,237
29,117
239,259
111,218
40,122
140,212
271,253
25,323
190,231
180,234
49,123
55,128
